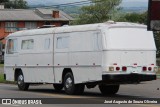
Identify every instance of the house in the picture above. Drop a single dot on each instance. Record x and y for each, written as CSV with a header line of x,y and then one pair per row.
x,y
12,20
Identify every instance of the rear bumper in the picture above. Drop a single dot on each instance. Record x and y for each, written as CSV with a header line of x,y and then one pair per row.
x,y
128,77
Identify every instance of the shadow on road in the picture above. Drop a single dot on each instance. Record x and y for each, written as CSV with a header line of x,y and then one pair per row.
x,y
84,95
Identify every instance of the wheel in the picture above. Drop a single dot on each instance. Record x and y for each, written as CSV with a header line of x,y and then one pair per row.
x,y
109,89
21,84
70,87
58,87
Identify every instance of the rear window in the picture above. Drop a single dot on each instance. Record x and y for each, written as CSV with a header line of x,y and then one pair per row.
x,y
12,46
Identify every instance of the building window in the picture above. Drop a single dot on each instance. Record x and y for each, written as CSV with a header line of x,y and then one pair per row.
x,y
47,44
47,23
12,46
27,44
62,42
10,26
30,25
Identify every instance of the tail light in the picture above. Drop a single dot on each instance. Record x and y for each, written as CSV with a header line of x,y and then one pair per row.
x,y
124,68
149,68
144,69
117,68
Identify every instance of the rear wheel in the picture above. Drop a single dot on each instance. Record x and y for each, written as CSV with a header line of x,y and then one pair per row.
x,y
58,87
20,82
70,87
109,89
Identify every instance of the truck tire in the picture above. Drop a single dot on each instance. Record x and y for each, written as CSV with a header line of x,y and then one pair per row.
x,y
58,87
21,84
69,86
109,89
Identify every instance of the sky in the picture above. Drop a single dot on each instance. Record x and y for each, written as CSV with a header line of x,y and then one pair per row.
x,y
52,2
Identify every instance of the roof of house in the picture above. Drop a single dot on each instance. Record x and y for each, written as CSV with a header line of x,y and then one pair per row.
x,y
32,15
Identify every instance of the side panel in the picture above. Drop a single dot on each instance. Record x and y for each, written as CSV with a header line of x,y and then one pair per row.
x,y
11,58
61,54
36,63
83,56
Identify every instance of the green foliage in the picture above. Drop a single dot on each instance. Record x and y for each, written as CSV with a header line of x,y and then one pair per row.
x,y
1,78
98,11
157,41
16,4
1,65
71,10
133,17
3,1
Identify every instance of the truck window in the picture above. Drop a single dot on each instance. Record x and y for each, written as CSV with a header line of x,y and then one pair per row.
x,y
47,44
27,44
62,42
12,46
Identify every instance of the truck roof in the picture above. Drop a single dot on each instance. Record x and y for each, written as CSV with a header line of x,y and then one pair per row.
x,y
77,28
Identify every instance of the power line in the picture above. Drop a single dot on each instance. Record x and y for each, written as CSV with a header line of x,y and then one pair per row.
x,y
86,2
74,3
69,4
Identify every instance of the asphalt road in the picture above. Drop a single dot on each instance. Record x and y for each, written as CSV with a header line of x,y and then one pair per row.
x,y
146,90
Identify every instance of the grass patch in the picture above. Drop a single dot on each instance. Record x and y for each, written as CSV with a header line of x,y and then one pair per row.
x,y
1,65
4,81
2,78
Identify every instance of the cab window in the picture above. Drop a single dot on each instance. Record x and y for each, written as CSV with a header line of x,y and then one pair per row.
x,y
11,46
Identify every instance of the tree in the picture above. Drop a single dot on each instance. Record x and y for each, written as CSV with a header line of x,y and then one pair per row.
x,y
133,17
98,11
3,1
16,4
157,41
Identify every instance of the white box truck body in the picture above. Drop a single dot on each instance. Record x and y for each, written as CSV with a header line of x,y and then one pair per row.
x,y
105,54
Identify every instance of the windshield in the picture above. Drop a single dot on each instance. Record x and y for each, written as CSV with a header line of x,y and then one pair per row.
x,y
130,39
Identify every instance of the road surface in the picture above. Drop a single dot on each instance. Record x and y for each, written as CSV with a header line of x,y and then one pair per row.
x,y
146,90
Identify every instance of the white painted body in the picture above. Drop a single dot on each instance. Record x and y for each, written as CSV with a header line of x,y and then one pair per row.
x,y
88,50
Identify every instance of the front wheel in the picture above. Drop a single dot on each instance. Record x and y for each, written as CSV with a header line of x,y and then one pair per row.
x,y
21,84
109,89
70,87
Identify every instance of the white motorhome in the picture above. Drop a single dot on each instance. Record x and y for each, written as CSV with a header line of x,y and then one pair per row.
x,y
70,57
